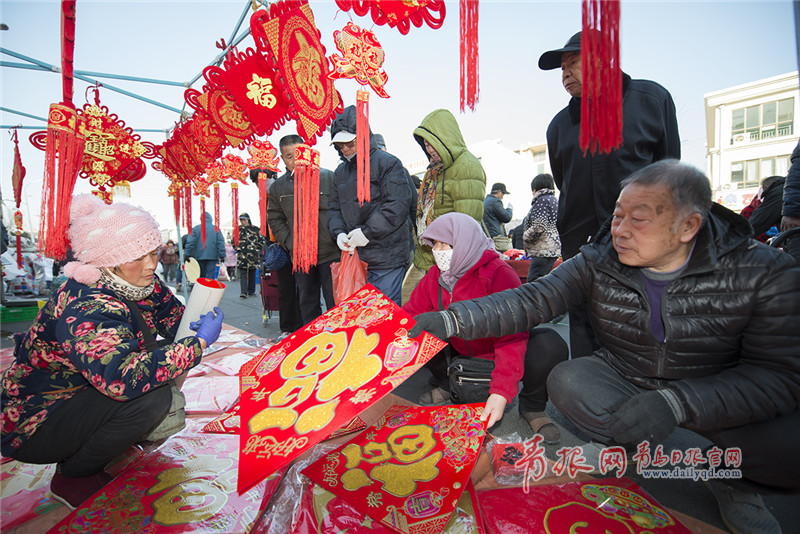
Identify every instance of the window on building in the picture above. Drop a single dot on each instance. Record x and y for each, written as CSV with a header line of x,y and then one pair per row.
x,y
764,121
748,174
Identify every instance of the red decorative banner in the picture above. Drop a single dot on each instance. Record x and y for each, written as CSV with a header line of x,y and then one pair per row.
x,y
362,58
288,34
400,15
187,485
256,88
319,378
611,505
407,471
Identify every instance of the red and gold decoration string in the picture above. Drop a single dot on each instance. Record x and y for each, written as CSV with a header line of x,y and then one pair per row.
x,y
601,100
362,147
235,210
306,207
263,156
17,175
469,82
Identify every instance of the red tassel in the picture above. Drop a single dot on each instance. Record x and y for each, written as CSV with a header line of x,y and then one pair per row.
x,y
306,207
63,159
18,224
601,95
176,206
187,212
362,147
67,47
263,195
469,83
216,207
203,221
235,209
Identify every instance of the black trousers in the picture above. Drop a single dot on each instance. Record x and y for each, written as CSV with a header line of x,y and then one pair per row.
x,y
247,280
545,350
588,391
288,304
308,288
89,430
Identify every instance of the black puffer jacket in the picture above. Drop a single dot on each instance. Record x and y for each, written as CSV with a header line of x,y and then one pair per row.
x,y
385,218
731,320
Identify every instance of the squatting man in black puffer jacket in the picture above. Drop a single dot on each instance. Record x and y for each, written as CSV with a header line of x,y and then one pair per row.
x,y
720,359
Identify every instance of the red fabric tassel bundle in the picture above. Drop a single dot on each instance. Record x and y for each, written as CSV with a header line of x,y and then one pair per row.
x,y
187,211
306,207
601,99
235,209
17,175
362,147
469,84
203,221
216,207
263,196
63,158
176,206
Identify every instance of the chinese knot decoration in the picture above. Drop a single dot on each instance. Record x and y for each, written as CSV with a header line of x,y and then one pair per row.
x,y
17,175
306,207
287,35
361,59
263,156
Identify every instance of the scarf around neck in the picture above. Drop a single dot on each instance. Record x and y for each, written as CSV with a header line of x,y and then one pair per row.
x,y
123,288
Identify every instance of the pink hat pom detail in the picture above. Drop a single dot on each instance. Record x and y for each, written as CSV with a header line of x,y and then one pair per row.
x,y
80,272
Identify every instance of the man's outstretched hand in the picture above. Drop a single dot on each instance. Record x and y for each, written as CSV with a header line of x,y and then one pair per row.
x,y
439,324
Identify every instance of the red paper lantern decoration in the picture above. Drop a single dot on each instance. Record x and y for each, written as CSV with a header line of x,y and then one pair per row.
x,y
287,33
400,15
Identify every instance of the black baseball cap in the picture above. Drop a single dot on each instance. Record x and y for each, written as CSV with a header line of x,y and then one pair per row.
x,y
500,187
552,59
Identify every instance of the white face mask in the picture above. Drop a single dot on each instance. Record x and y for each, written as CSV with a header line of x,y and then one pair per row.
x,y
442,259
350,157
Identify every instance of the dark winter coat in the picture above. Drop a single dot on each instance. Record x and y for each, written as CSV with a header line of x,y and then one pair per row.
x,y
540,238
731,346
384,219
589,185
495,216
791,189
250,250
214,246
281,215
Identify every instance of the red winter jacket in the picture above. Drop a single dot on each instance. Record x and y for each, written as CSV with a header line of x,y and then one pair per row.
x,y
489,275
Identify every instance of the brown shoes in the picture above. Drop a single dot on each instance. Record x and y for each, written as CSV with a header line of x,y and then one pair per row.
x,y
541,424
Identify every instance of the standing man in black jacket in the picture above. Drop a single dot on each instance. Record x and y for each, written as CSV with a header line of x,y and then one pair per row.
x,y
718,357
589,184
281,220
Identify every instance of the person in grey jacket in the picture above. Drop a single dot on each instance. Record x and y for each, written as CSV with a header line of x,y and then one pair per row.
x,y
380,227
208,253
494,214
281,221
719,359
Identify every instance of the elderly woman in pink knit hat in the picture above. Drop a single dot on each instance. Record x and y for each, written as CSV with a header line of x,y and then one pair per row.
x,y
89,379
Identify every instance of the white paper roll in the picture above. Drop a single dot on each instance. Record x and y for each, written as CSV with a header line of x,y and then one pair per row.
x,y
205,295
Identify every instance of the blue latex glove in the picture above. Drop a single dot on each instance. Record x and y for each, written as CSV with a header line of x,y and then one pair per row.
x,y
209,325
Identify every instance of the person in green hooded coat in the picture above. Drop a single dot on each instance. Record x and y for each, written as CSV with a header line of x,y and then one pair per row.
x,y
454,181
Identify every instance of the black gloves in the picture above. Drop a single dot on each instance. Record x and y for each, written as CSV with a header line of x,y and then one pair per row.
x,y
440,324
647,416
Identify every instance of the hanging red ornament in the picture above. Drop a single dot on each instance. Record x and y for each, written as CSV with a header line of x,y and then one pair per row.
x,y
263,155
216,207
203,231
224,111
469,83
306,207
175,191
601,97
17,175
287,33
187,211
361,59
400,15
362,147
235,210
63,158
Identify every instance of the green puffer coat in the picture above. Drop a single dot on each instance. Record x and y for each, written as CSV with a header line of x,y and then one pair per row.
x,y
461,185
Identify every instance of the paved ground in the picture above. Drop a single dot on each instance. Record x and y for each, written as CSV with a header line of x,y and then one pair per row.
x,y
689,497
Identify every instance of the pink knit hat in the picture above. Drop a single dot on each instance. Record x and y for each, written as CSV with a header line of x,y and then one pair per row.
x,y
103,235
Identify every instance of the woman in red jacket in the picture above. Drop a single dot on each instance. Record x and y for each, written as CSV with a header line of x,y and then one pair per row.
x,y
467,267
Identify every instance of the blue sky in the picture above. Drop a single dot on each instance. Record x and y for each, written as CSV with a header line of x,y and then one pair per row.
x,y
691,48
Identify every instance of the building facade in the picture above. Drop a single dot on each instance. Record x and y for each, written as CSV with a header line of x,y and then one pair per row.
x,y
750,133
